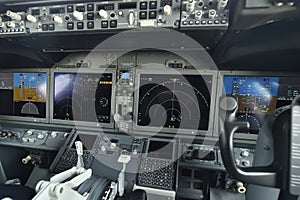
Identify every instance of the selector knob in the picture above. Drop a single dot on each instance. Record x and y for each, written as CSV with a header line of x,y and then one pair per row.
x,y
212,14
13,15
103,14
167,10
190,5
11,24
78,15
31,18
245,153
222,4
131,18
198,14
58,19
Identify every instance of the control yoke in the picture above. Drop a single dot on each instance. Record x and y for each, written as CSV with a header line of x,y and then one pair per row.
x,y
276,132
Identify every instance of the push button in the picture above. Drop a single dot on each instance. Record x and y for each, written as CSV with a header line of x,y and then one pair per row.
x,y
104,24
45,27
90,7
153,4
80,25
113,24
143,6
70,26
152,15
90,16
70,8
90,25
143,15
51,27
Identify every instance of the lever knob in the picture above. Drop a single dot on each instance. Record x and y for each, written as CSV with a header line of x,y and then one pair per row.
x,y
198,14
103,14
13,15
31,18
78,15
58,19
131,18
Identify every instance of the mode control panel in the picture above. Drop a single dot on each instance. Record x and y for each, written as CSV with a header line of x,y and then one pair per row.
x,y
103,16
205,13
12,23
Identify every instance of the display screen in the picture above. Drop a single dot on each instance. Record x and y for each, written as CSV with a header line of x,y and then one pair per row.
x,y
23,94
82,97
160,149
258,96
174,101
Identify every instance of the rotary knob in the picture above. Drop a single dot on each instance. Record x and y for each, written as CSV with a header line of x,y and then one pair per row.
x,y
245,153
11,24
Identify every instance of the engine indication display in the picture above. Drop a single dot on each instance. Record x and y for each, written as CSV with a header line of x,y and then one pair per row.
x,y
82,97
174,101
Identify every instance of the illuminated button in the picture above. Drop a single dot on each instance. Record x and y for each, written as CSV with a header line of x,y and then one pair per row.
x,y
70,8
184,23
191,22
153,4
90,25
104,24
80,25
209,22
90,7
70,26
152,15
224,21
113,24
217,22
51,27
143,15
90,16
143,5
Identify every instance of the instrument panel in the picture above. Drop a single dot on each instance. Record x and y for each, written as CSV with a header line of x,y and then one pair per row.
x,y
164,97
115,15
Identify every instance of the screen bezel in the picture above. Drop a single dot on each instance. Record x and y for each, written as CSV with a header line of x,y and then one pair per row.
x,y
30,119
242,73
83,123
208,132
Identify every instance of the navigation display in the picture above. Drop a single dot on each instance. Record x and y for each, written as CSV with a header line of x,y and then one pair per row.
x,y
23,94
258,96
82,97
174,101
